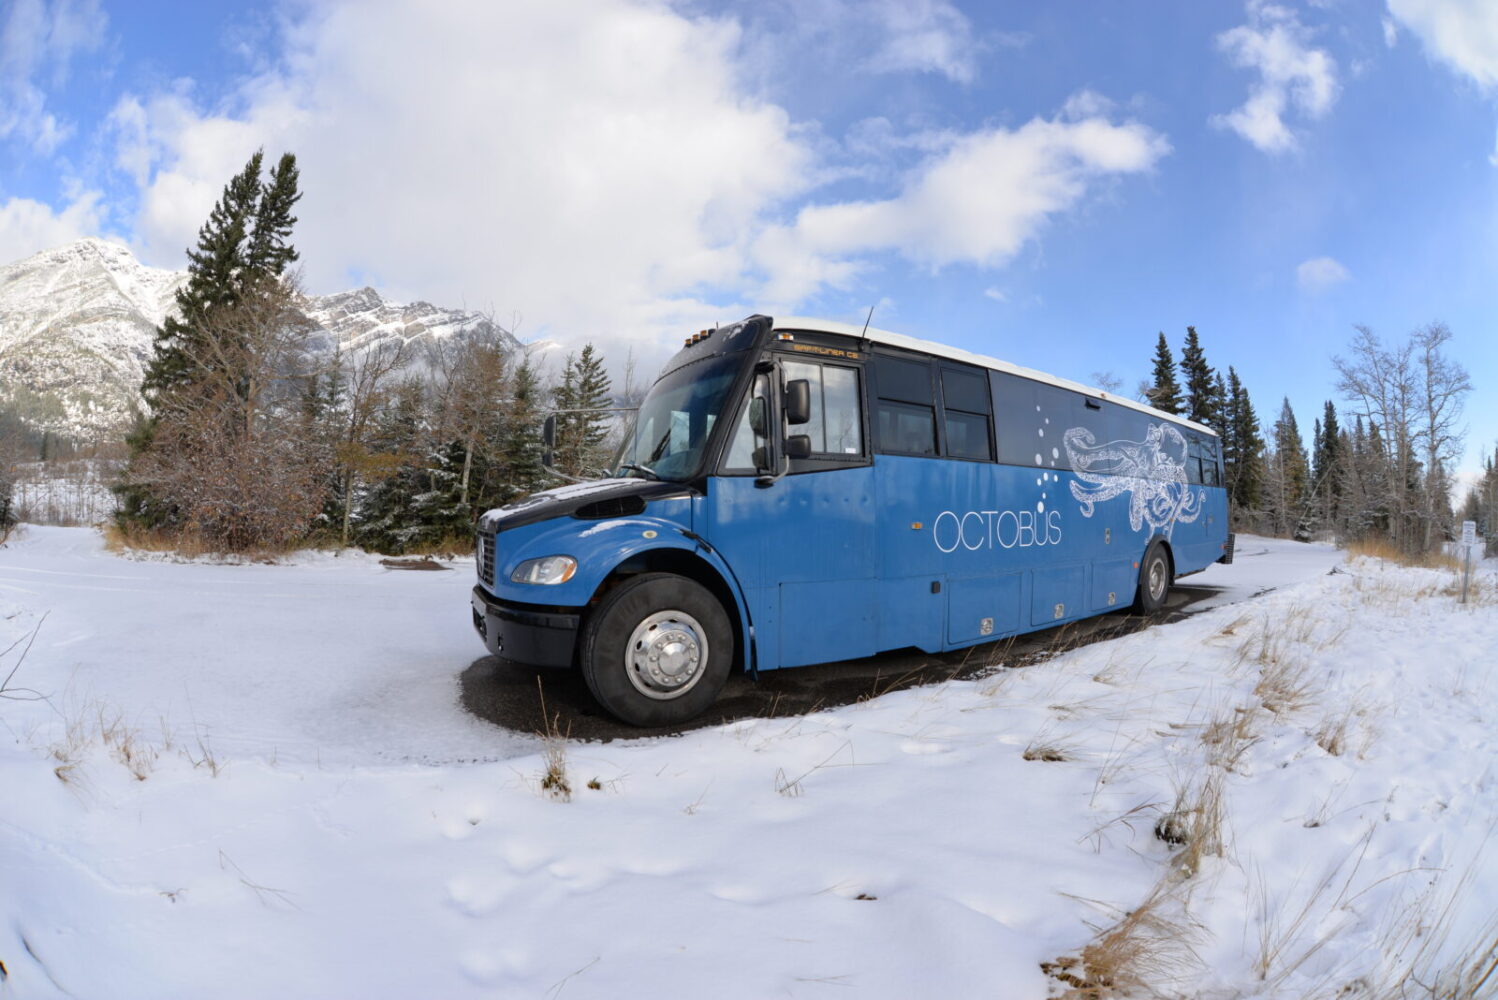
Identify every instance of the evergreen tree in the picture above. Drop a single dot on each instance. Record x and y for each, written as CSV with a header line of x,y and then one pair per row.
x,y
1165,392
1245,478
385,511
584,387
215,269
522,473
1291,476
270,251
1202,404
1326,465
1220,405
439,513
232,296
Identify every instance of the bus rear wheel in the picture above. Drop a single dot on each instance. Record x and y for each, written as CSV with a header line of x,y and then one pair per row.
x,y
657,650
1154,580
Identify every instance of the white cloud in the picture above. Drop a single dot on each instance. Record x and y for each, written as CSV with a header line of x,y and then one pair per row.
x,y
996,294
1293,77
1320,273
598,168
1391,32
929,36
27,226
587,165
977,202
38,41
1463,34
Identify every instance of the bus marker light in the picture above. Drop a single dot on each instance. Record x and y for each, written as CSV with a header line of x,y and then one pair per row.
x,y
916,526
648,534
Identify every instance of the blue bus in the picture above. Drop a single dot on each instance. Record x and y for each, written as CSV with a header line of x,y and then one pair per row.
x,y
799,491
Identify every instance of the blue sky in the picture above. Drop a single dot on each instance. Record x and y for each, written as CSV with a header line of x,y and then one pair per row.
x,y
1051,183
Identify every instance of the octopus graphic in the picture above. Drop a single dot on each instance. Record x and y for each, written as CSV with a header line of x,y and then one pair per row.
x,y
1152,472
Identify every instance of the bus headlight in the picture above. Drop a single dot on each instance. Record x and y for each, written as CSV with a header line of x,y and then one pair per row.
x,y
547,570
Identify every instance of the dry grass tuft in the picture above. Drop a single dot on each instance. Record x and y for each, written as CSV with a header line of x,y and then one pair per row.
x,y
1336,732
1141,954
120,540
1277,648
1229,736
124,744
1284,687
1046,752
554,781
1194,823
1386,551
1047,748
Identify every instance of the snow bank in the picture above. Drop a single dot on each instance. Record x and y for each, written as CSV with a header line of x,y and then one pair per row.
x,y
942,841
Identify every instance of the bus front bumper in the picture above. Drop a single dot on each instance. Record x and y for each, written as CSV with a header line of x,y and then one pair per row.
x,y
539,637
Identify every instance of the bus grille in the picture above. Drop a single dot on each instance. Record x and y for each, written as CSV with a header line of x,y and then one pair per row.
x,y
486,558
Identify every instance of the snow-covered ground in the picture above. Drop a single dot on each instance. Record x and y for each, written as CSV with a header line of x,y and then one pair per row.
x,y
254,781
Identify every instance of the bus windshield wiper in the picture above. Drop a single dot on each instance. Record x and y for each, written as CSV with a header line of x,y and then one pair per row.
x,y
643,470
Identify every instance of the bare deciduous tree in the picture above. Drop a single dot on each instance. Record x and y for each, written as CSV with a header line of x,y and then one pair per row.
x,y
1443,385
226,450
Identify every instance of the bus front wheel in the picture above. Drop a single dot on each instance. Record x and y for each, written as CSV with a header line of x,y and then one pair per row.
x,y
1154,580
657,650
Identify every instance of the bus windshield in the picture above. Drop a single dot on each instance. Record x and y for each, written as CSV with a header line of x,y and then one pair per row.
x,y
671,430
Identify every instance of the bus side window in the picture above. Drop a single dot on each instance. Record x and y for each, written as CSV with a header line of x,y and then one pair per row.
x,y
746,452
1209,463
1201,464
836,424
905,412
965,414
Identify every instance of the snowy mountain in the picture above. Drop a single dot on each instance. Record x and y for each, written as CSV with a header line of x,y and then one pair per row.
x,y
77,322
75,333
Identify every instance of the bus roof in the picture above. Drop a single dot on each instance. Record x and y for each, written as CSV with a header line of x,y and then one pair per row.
x,y
956,354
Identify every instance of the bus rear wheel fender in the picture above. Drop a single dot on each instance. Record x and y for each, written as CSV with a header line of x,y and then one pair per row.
x,y
1156,571
656,650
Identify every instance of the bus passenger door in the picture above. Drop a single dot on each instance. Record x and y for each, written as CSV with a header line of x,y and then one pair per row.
x,y
803,545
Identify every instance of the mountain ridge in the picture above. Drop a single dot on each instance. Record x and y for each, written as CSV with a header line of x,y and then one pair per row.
x,y
77,323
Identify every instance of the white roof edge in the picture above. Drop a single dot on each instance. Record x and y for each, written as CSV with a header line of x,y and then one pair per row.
x,y
957,354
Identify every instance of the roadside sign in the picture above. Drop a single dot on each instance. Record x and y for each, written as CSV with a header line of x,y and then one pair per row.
x,y
1469,544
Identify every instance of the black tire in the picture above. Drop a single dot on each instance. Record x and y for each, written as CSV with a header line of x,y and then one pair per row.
x,y
1154,580
657,650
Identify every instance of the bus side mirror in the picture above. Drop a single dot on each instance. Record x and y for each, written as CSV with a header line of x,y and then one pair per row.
x,y
798,445
797,401
549,435
757,420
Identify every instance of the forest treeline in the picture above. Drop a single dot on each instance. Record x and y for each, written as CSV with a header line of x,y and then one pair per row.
x,y
255,438
1380,470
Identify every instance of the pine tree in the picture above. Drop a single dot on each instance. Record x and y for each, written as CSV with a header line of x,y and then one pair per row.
x,y
269,252
584,387
1291,476
1326,465
1220,405
439,513
215,272
1164,393
1202,404
231,314
522,473
384,519
1245,477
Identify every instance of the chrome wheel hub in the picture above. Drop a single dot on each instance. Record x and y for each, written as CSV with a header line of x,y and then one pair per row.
x,y
1157,579
666,654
